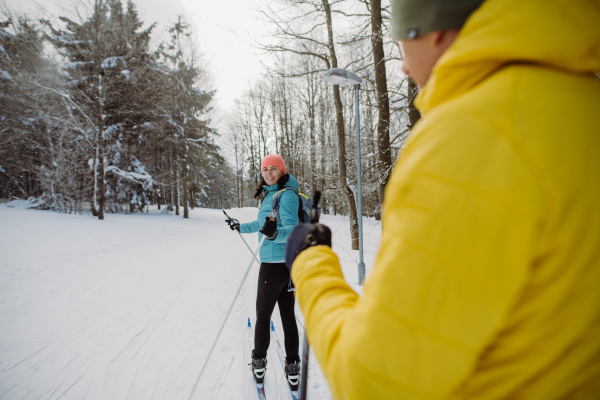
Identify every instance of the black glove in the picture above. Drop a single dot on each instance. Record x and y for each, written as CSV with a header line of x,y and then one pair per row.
x,y
233,224
269,229
304,236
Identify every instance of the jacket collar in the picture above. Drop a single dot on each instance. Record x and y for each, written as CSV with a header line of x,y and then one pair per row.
x,y
271,188
291,183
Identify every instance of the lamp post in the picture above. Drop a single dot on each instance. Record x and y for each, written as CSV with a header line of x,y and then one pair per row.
x,y
339,76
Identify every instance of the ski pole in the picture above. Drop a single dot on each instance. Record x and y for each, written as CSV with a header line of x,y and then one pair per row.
x,y
241,237
227,316
314,219
304,377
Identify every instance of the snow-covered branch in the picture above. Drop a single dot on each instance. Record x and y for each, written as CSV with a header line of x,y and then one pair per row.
x,y
145,180
66,96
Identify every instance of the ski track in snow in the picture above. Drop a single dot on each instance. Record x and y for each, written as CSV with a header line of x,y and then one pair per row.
x,y
128,307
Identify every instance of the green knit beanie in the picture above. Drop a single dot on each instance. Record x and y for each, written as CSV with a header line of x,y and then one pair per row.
x,y
414,18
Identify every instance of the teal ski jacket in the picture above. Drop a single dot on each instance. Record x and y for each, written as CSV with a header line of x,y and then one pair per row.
x,y
274,251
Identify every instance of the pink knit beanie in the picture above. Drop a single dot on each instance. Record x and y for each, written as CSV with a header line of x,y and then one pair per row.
x,y
273,160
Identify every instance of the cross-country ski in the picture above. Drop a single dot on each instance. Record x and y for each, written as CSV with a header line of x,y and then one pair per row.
x,y
292,379
260,387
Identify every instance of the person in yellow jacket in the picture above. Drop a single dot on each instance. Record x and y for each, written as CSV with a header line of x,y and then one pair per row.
x,y
487,283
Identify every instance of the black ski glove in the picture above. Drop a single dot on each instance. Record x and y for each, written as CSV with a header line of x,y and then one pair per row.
x,y
233,224
304,236
269,229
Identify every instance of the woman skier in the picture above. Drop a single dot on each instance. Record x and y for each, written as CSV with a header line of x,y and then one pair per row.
x,y
274,284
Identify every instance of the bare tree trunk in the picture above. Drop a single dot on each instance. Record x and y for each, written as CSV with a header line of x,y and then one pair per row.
x,y
313,133
185,172
273,110
339,113
100,151
323,157
383,104
171,197
185,200
289,128
238,179
285,149
95,193
237,183
185,191
313,153
172,202
413,113
177,200
253,159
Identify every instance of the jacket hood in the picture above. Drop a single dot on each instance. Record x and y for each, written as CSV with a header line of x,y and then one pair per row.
x,y
558,34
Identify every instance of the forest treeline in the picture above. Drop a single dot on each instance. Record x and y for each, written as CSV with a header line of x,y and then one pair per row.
x,y
102,122
112,124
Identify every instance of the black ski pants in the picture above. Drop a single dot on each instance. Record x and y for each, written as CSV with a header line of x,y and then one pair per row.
x,y
273,279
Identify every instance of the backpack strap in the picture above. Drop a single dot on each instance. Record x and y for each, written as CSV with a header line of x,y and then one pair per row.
x,y
290,188
276,198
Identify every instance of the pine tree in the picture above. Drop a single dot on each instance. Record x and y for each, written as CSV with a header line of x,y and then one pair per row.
x,y
20,126
183,119
108,62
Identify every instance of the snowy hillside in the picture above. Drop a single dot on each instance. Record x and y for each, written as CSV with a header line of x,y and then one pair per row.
x,y
128,307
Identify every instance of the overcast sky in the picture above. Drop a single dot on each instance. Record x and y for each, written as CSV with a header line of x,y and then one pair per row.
x,y
226,31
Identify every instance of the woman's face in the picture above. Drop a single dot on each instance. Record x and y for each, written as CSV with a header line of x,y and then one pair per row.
x,y
271,175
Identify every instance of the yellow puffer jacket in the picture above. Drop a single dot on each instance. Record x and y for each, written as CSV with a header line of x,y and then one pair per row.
x,y
487,283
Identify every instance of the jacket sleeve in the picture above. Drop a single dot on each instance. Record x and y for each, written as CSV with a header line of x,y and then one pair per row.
x,y
288,215
250,227
455,255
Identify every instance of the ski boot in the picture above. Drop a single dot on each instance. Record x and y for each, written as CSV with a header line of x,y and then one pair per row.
x,y
292,373
259,367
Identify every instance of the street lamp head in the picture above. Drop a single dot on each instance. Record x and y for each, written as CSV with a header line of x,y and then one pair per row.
x,y
339,76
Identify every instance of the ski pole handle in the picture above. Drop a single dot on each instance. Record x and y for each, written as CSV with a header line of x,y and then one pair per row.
x,y
314,212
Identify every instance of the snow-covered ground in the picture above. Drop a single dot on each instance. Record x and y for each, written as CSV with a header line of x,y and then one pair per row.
x,y
128,307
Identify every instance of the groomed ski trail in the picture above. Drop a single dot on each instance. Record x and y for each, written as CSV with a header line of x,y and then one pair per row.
x,y
128,307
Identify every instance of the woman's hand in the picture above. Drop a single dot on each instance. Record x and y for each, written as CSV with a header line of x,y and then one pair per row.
x,y
269,229
233,224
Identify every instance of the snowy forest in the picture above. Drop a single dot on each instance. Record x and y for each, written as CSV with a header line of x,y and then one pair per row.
x,y
95,118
